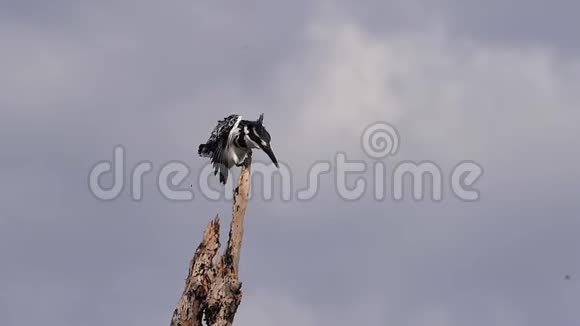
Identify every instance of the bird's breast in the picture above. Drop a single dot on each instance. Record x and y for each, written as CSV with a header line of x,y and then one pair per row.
x,y
237,155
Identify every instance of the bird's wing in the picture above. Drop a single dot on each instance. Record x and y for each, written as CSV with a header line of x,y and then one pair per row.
x,y
219,162
222,136
224,127
217,145
221,131
218,156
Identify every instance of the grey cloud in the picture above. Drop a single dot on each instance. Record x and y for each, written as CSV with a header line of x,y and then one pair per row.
x,y
522,22
154,77
515,23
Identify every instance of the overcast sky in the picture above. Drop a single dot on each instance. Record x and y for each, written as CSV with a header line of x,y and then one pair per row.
x,y
487,81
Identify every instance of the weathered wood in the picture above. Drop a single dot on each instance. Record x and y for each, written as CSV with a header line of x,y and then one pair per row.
x,y
212,289
238,213
189,310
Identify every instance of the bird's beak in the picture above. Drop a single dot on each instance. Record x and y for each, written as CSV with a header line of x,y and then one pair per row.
x,y
268,150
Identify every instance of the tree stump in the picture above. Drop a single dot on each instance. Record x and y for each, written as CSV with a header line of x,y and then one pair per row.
x,y
212,289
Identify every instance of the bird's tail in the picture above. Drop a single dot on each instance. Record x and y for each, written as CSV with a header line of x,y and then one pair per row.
x,y
223,176
222,170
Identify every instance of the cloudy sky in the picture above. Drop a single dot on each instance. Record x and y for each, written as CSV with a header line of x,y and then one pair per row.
x,y
487,81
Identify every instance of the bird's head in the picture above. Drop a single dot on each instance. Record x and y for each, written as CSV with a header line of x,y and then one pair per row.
x,y
261,137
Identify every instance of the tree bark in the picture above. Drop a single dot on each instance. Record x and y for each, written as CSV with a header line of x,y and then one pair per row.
x,y
212,289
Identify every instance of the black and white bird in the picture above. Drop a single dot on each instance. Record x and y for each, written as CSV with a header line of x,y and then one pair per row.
x,y
232,141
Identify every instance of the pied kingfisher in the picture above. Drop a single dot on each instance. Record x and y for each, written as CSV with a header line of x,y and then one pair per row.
x,y
231,142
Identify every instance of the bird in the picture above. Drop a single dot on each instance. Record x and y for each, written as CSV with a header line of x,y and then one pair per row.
x,y
231,142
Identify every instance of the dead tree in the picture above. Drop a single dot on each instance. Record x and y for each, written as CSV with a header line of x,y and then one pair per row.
x,y
212,290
